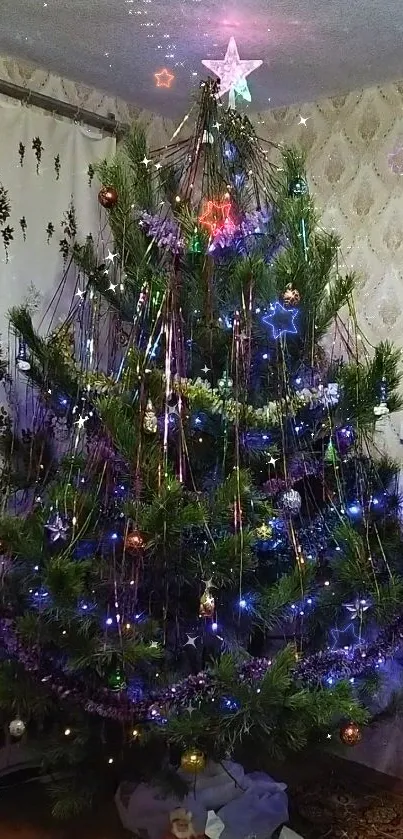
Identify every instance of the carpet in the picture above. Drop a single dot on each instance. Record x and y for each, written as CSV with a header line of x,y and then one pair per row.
x,y
347,801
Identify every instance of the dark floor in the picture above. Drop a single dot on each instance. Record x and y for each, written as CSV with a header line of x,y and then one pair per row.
x,y
25,814
330,798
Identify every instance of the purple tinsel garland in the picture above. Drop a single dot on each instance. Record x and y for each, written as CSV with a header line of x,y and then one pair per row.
x,y
165,232
314,670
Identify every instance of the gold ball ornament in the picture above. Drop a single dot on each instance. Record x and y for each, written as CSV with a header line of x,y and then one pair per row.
x,y
350,734
108,197
291,296
134,541
193,761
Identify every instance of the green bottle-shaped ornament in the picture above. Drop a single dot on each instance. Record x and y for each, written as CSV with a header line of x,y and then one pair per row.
x,y
195,244
331,455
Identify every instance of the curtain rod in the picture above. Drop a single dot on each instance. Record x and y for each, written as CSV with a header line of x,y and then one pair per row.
x,y
64,109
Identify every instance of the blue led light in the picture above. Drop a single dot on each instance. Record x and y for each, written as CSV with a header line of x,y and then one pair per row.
x,y
214,627
281,320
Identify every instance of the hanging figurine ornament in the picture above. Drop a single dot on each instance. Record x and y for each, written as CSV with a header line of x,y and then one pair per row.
x,y
291,296
150,422
22,360
17,728
207,602
381,410
108,197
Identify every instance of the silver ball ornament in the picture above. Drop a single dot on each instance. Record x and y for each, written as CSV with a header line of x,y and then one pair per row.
x,y
16,728
290,501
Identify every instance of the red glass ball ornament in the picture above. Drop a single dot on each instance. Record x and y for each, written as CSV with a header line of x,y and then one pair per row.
x,y
108,197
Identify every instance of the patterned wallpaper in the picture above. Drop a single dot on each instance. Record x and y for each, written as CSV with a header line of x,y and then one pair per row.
x,y
354,146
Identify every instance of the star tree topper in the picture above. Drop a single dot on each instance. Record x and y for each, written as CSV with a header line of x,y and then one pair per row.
x,y
232,72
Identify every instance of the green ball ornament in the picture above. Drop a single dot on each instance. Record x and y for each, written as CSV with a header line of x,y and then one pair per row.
x,y
116,680
297,187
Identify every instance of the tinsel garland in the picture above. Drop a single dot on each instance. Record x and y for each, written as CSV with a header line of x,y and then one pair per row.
x,y
269,415
322,668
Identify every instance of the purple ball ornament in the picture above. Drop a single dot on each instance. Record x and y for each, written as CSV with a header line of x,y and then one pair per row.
x,y
344,437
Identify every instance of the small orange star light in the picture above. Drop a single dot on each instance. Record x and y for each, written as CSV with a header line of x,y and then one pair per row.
x,y
217,216
164,78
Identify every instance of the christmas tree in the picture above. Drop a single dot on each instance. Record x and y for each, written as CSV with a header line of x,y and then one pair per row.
x,y
209,562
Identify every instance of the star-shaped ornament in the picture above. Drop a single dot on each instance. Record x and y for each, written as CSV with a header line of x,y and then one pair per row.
x,y
217,216
191,641
110,257
146,161
357,608
153,645
164,78
57,529
232,73
281,320
205,369
303,120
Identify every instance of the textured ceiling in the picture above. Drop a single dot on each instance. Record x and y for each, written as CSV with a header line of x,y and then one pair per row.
x,y
309,48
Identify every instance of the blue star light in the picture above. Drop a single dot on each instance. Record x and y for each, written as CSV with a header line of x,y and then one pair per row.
x,y
281,320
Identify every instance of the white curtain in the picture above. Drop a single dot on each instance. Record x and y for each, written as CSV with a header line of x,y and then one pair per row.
x,y
39,197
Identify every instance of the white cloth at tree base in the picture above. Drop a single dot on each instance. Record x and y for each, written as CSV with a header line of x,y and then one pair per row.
x,y
248,804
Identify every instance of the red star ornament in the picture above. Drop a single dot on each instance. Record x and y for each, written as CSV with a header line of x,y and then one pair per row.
x,y
164,78
216,216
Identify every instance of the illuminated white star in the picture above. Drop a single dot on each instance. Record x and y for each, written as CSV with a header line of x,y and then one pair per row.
x,y
80,293
272,460
191,641
153,645
303,120
146,161
357,608
112,287
205,369
81,422
110,257
232,72
158,165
